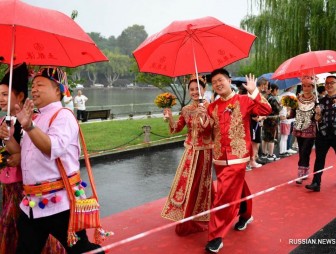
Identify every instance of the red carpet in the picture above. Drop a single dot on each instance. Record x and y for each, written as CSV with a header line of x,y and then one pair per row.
x,y
289,212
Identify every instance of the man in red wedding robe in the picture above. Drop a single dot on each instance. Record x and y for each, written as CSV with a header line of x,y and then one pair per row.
x,y
232,150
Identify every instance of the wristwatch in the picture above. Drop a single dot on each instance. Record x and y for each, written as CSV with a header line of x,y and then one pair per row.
x,y
32,126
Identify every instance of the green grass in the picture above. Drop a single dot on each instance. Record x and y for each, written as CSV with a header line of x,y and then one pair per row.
x,y
118,134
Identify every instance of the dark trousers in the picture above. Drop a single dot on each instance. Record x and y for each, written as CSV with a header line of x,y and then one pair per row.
x,y
290,137
305,148
322,146
81,115
33,234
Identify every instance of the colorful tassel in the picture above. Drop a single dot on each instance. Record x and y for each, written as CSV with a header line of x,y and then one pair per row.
x,y
100,235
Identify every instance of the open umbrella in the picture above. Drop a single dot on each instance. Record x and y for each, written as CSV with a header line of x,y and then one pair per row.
x,y
193,46
40,36
282,84
313,62
205,43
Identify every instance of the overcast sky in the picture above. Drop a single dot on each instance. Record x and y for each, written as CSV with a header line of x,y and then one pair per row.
x,y
111,17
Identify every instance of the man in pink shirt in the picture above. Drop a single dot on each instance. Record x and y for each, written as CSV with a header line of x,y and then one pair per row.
x,y
47,212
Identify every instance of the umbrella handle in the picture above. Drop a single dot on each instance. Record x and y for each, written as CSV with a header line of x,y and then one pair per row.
x,y
8,122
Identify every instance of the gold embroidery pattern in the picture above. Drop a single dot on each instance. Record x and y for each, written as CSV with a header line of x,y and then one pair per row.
x,y
203,200
178,200
237,133
216,131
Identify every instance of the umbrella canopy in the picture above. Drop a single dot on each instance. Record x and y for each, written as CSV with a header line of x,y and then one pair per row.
x,y
282,84
313,62
189,46
236,80
322,77
40,36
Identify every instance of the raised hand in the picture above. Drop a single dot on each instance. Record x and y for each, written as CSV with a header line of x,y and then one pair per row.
x,y
24,114
251,83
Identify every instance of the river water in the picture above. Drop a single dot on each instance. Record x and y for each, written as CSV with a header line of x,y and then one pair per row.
x,y
143,177
123,101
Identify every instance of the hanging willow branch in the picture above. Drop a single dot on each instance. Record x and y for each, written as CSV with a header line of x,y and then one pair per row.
x,y
286,28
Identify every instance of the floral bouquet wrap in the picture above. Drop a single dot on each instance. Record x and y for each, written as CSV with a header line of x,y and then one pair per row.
x,y
165,100
289,101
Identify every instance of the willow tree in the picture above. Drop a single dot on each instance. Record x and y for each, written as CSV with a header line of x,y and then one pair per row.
x,y
286,28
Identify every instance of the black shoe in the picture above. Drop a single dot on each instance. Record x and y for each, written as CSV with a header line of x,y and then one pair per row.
x,y
214,245
313,187
261,161
242,223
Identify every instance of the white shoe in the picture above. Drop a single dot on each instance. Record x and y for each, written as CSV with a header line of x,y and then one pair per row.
x,y
291,151
255,165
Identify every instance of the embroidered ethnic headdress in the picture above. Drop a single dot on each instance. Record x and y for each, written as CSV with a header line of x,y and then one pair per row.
x,y
200,78
57,75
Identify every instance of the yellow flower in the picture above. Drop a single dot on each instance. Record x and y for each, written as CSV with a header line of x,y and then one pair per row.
x,y
289,101
165,100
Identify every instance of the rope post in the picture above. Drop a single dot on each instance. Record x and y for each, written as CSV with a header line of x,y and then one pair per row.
x,y
146,130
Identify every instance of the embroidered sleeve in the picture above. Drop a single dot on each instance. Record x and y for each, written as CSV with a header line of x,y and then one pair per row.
x,y
260,105
179,124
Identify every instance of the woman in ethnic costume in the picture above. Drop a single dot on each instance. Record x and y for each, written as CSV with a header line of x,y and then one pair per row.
x,y
10,171
190,193
305,126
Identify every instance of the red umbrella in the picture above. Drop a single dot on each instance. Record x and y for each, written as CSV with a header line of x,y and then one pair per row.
x,y
313,62
40,36
189,46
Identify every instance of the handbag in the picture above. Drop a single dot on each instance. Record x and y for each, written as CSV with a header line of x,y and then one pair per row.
x,y
84,213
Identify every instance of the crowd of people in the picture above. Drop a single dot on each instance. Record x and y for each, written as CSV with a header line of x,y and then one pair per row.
x,y
226,134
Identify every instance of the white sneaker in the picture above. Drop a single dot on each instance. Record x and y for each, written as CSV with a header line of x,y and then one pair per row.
x,y
291,151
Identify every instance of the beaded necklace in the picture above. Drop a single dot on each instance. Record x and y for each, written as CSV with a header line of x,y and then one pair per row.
x,y
305,112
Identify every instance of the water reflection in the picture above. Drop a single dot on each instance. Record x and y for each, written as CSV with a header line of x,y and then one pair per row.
x,y
126,183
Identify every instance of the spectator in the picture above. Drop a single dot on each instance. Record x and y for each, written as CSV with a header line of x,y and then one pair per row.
x,y
321,91
80,101
68,100
256,128
290,118
270,126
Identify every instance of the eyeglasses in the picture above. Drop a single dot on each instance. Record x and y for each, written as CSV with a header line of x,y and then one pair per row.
x,y
330,83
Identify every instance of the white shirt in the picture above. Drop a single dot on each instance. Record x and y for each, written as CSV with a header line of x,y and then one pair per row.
x,y
80,102
68,102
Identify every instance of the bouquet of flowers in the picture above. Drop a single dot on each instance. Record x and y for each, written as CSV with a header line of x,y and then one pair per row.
x,y
289,101
165,100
